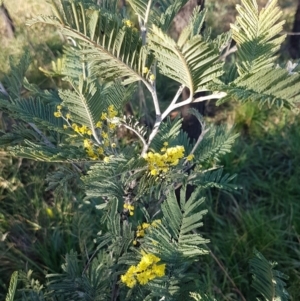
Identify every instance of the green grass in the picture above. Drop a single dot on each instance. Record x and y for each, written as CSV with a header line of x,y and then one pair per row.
x,y
265,214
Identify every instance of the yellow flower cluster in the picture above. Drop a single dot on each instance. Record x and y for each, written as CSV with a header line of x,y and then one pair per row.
x,y
81,129
130,208
105,127
58,113
140,232
128,23
161,163
111,112
91,151
106,117
145,271
152,77
190,157
148,74
145,70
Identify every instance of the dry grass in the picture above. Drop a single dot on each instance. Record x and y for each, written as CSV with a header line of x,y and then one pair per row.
x,y
41,40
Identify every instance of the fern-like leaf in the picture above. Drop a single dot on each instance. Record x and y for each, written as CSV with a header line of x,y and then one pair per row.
x,y
201,297
76,285
160,12
266,87
34,110
255,34
111,179
168,10
194,26
112,49
216,143
12,287
175,237
194,65
88,100
267,281
38,152
212,178
14,81
168,132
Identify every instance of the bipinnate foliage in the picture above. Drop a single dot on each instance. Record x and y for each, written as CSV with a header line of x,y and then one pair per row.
x,y
259,80
180,220
148,243
267,281
12,287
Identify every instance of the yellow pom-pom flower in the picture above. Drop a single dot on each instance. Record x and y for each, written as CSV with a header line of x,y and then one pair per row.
x,y
145,70
161,163
152,77
129,208
103,116
128,23
190,157
100,151
104,135
87,143
146,270
99,124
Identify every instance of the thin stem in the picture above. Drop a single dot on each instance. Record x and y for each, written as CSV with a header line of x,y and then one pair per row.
x,y
177,95
290,33
160,117
90,260
153,133
190,100
150,86
203,132
155,101
228,52
136,132
147,12
143,23
175,106
226,274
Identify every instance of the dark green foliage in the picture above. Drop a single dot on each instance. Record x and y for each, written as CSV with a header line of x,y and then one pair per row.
x,y
278,88
191,61
12,287
267,281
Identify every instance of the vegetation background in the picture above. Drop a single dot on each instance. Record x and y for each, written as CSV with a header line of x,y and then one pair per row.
x,y
38,227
